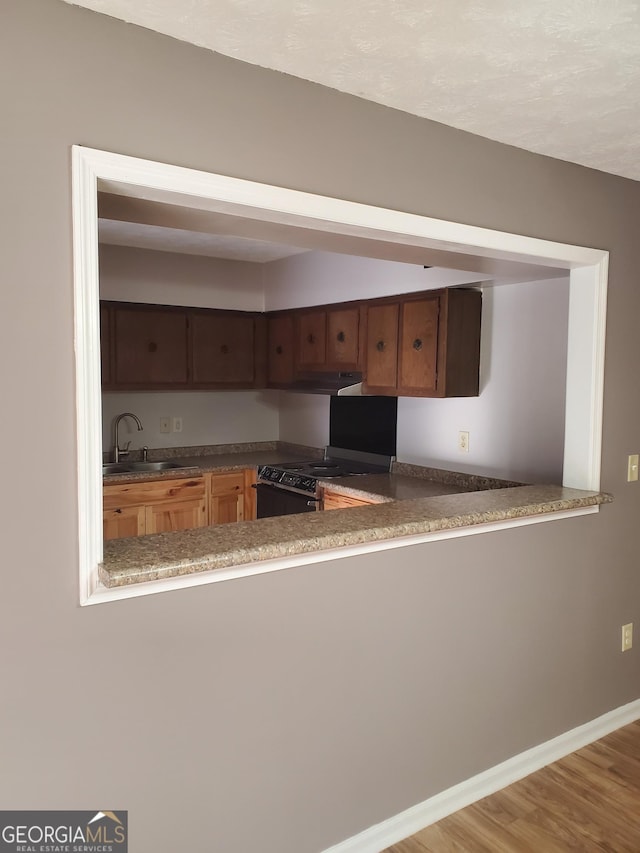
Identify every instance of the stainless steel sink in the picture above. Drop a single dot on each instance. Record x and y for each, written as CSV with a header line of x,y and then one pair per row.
x,y
139,467
152,466
114,468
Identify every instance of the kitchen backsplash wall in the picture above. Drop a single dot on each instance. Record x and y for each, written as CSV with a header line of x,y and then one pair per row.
x,y
208,417
168,278
304,419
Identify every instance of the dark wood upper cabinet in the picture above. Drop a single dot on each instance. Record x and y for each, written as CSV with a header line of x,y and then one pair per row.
x,y
418,349
343,341
419,344
312,340
147,347
382,348
425,345
459,343
150,346
280,350
105,344
222,349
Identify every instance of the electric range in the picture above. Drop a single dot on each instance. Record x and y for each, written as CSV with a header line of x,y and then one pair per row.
x,y
295,487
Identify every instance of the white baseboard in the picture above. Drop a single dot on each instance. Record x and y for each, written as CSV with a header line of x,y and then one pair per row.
x,y
382,835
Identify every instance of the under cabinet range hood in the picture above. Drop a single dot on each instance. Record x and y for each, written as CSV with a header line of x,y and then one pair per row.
x,y
342,384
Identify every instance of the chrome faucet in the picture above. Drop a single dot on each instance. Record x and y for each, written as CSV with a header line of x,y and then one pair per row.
x,y
117,452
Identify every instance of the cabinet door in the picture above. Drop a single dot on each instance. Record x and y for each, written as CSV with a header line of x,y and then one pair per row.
x,y
226,509
150,347
123,521
181,515
343,327
222,349
280,350
227,497
382,347
418,352
312,340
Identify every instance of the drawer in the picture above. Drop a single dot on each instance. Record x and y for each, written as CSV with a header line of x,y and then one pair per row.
x,y
152,492
332,500
225,484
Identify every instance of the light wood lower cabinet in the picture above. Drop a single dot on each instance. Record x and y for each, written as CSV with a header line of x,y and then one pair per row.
x,y
227,498
123,521
232,497
182,515
164,506
154,506
334,500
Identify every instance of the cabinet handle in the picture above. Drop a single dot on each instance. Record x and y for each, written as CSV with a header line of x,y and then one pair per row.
x,y
417,344
380,346
224,348
118,510
340,337
153,346
310,339
278,350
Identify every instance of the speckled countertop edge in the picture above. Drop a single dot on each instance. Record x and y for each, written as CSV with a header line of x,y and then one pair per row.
x,y
166,555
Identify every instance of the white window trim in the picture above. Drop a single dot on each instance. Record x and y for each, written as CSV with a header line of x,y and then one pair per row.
x,y
587,267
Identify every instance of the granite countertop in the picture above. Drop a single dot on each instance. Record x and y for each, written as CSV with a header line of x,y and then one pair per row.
x,y
167,555
229,458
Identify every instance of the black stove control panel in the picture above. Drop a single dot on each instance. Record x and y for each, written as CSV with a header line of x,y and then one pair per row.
x,y
288,479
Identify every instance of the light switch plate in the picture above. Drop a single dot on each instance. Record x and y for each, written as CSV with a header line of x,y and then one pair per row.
x,y
165,424
632,468
177,425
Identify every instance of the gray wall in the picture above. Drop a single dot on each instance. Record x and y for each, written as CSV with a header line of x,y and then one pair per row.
x,y
284,712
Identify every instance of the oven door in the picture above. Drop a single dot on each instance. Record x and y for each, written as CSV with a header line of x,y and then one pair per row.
x,y
273,500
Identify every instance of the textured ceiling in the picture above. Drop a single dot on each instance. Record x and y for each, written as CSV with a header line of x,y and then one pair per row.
x,y
559,77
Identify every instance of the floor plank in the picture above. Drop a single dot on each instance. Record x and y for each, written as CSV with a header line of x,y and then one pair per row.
x,y
587,802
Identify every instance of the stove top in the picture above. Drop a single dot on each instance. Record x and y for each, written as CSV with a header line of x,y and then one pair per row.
x,y
304,476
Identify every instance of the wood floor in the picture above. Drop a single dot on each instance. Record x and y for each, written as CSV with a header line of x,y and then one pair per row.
x,y
588,801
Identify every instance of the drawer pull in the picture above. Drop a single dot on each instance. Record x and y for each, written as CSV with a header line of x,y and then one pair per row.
x,y
224,349
310,339
380,346
340,337
278,350
153,346
417,344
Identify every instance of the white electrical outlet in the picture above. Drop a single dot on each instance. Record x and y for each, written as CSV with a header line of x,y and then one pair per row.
x,y
632,468
165,424
177,425
627,637
463,441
